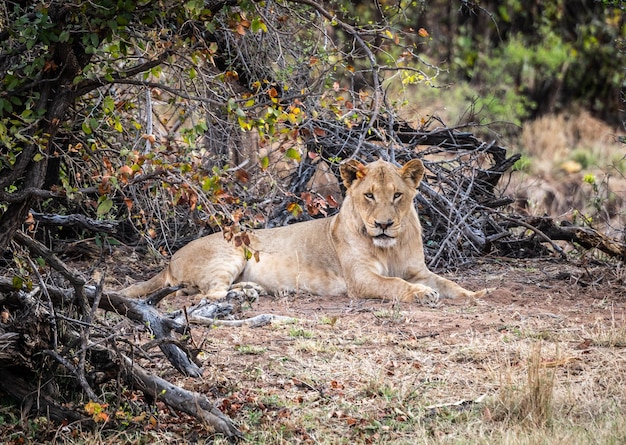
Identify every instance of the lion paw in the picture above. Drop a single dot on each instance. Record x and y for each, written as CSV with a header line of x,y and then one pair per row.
x,y
244,291
430,297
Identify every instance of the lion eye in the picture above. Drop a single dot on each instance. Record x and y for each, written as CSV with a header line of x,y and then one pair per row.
x,y
369,195
397,195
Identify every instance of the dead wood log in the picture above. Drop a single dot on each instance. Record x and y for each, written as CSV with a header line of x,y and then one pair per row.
x,y
75,220
16,372
161,327
253,322
586,237
14,382
193,403
138,310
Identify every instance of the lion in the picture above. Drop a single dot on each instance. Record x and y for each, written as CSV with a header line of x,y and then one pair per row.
x,y
372,248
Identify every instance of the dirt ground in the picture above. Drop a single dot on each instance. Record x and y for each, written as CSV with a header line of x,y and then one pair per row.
x,y
539,360
370,371
544,289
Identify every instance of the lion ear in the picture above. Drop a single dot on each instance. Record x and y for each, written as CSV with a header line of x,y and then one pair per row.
x,y
350,171
413,171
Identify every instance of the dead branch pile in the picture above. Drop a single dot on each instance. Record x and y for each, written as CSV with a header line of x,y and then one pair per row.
x,y
463,213
52,341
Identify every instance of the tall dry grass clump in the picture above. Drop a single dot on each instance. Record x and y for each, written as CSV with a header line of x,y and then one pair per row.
x,y
529,403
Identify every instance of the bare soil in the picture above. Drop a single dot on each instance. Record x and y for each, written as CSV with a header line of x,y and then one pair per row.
x,y
540,360
565,293
371,371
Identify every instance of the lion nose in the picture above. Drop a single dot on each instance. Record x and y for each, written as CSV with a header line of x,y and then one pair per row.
x,y
383,225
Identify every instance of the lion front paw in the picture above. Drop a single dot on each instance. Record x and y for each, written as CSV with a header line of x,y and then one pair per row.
x,y
422,294
429,297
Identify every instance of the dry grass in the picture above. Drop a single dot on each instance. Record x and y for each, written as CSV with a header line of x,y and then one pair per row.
x,y
539,362
573,165
364,383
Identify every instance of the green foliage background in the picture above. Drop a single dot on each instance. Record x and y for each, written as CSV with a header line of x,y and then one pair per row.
x,y
73,123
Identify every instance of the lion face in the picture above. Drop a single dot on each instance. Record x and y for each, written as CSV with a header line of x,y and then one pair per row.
x,y
382,196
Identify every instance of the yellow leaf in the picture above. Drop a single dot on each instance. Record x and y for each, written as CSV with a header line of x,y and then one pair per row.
x,y
294,208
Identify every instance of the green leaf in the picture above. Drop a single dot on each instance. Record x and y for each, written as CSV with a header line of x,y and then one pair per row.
x,y
244,124
265,162
18,282
104,206
258,25
294,154
64,36
108,104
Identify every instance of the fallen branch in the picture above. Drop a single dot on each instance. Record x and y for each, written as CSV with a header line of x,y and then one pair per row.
x,y
253,322
584,236
459,405
193,403
547,230
212,313
138,310
75,220
161,327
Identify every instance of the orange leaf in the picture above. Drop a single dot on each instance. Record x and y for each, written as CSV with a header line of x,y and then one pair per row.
x,y
422,32
149,137
126,170
332,202
245,238
351,421
242,176
232,75
50,66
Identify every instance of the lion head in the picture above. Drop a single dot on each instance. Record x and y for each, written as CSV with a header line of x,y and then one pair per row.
x,y
381,195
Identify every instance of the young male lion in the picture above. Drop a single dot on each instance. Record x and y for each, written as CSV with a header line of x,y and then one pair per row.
x,y
371,249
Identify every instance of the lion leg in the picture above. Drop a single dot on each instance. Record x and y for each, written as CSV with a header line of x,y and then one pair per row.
x,y
218,276
143,288
378,286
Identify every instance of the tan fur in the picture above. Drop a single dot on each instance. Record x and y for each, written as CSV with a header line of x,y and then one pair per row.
x,y
371,249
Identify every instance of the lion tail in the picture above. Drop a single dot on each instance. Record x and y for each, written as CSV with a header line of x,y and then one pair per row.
x,y
144,288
